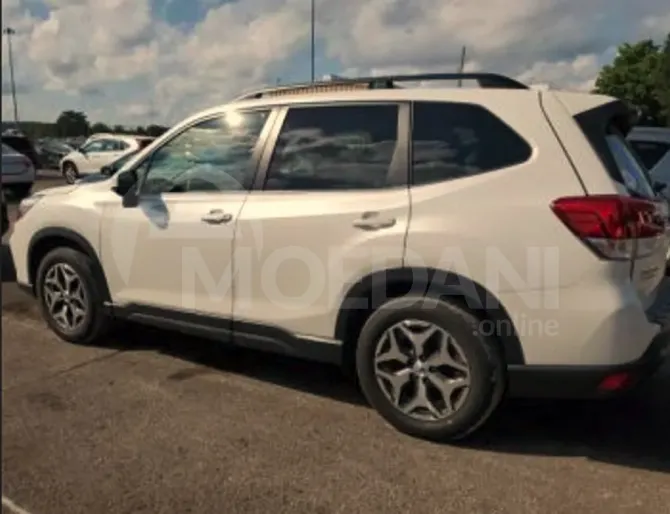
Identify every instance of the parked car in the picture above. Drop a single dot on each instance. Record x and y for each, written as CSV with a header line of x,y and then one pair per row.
x,y
97,151
5,214
652,144
24,146
18,172
384,229
52,152
108,170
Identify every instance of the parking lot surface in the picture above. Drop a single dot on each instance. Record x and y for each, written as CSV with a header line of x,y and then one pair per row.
x,y
160,423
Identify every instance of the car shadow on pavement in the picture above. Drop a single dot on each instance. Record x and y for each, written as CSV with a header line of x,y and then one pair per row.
x,y
632,432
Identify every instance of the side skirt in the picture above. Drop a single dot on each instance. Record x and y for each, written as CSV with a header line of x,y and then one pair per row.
x,y
241,333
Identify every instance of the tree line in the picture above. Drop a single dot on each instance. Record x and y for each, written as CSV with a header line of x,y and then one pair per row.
x,y
76,124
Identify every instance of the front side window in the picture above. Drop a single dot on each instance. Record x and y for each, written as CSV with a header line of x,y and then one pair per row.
x,y
455,140
330,148
213,155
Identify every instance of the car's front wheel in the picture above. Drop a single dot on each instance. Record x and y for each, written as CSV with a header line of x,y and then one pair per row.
x,y
70,172
70,297
427,368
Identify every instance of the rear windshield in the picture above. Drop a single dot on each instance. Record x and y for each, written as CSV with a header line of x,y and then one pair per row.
x,y
19,144
650,152
606,127
634,174
7,150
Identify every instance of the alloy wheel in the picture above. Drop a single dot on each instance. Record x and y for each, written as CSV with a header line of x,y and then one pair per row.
x,y
65,297
422,370
70,174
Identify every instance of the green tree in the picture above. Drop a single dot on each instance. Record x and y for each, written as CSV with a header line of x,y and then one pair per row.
x,y
155,130
119,129
635,76
99,127
72,124
663,82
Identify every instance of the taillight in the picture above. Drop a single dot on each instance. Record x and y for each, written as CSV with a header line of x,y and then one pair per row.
x,y
27,163
613,226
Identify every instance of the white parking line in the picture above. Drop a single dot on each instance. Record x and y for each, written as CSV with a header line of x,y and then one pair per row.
x,y
13,506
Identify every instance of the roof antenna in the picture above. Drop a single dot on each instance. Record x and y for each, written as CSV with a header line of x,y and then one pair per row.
x,y
462,67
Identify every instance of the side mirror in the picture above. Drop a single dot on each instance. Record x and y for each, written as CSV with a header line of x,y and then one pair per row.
x,y
125,182
106,171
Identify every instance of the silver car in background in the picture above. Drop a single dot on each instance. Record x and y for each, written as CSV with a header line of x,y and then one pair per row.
x,y
18,172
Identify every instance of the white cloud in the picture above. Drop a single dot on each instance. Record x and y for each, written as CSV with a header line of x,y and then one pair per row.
x,y
125,63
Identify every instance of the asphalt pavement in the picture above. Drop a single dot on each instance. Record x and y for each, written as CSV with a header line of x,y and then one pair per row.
x,y
159,423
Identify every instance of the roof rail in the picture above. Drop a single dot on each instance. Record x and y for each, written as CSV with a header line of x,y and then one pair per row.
x,y
336,83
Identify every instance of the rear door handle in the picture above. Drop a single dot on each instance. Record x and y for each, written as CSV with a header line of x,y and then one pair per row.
x,y
372,221
216,217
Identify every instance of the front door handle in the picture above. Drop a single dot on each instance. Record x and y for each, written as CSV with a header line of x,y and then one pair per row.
x,y
372,221
216,217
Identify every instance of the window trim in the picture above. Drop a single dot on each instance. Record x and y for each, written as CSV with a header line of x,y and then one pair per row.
x,y
398,173
248,180
529,146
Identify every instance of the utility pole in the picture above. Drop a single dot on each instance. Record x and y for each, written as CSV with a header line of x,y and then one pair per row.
x,y
9,32
461,67
313,38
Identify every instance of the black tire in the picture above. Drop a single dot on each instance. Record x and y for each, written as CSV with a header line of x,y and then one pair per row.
x,y
70,172
485,359
20,191
97,322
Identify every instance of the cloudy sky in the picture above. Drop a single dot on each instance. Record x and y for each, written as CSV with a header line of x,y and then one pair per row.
x,y
155,61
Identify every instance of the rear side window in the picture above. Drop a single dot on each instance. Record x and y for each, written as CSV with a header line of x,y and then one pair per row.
x,y
334,148
650,152
454,140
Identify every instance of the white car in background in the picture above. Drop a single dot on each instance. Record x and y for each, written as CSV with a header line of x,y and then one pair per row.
x,y
98,151
18,172
652,145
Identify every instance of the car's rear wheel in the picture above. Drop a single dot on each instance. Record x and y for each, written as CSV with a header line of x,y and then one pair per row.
x,y
70,297
70,172
425,366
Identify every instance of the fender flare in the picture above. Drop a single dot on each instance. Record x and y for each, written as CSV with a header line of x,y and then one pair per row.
x,y
431,282
76,240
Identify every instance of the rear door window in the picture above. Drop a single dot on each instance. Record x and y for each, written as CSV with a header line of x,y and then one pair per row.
x,y
335,148
455,140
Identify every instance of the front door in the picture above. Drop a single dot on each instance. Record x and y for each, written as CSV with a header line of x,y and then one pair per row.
x,y
174,249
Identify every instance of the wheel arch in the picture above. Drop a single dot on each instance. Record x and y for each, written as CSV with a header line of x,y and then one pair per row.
x,y
50,238
374,289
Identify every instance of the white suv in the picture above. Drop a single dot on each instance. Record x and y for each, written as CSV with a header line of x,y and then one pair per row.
x,y
449,246
98,151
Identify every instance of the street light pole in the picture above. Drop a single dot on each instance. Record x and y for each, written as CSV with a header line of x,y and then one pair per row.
x,y
312,38
9,32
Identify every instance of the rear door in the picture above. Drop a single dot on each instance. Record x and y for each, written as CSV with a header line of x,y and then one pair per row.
x,y
330,206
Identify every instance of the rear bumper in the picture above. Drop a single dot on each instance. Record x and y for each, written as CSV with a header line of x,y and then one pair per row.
x,y
566,382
